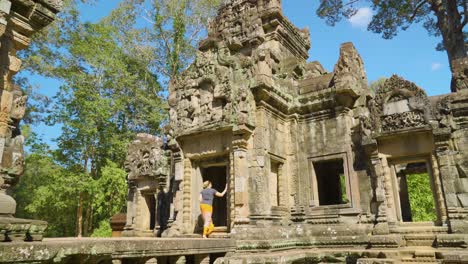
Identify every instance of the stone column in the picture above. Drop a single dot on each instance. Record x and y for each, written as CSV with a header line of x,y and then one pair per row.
x,y
438,189
19,20
449,177
378,184
131,209
240,175
187,198
388,187
258,184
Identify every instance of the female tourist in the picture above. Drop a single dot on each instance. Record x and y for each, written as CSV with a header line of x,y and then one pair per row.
x,y
206,205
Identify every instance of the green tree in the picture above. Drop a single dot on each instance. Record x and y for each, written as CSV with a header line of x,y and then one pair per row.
x,y
173,28
110,73
46,192
445,18
108,94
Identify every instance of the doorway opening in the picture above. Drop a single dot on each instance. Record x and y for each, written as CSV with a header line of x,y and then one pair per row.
x,y
218,177
331,182
274,183
150,213
415,193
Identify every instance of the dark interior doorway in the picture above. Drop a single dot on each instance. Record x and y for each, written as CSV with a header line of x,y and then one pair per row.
x,y
331,182
218,177
151,203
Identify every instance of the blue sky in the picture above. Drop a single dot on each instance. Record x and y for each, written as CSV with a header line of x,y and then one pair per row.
x,y
411,54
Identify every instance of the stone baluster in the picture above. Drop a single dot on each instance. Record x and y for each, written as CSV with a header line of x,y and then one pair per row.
x,y
177,260
202,259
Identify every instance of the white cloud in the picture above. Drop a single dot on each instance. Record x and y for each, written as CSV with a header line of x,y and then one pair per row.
x,y
436,66
362,18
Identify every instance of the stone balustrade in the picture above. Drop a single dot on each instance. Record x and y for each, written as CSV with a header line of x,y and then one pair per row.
x,y
116,251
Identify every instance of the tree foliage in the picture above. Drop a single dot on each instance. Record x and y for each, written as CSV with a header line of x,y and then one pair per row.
x,y
421,198
444,18
113,76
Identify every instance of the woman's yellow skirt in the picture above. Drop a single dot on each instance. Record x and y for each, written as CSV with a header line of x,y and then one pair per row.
x,y
206,208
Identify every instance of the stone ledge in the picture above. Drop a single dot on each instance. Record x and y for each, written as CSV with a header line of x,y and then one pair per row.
x,y
60,249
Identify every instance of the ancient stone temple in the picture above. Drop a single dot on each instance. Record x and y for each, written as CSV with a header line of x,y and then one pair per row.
x,y
19,19
317,165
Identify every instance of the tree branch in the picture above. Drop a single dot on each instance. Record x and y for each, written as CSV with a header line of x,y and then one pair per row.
x,y
465,14
416,9
352,2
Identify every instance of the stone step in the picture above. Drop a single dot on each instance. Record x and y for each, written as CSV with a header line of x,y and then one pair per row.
x,y
421,256
419,229
417,240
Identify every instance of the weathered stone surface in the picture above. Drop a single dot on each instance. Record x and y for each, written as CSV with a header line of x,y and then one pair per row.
x,y
92,250
312,158
460,74
315,164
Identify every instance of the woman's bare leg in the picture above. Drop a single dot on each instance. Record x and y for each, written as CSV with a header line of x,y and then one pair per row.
x,y
207,223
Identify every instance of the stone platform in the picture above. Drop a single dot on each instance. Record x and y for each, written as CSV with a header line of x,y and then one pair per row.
x,y
118,250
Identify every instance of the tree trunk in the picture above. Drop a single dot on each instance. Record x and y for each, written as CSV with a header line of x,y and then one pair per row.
x,y
79,217
86,228
450,23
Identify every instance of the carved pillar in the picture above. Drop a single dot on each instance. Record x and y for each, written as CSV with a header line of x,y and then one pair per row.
x,y
449,176
239,181
131,206
388,187
19,20
187,200
439,193
378,184
258,184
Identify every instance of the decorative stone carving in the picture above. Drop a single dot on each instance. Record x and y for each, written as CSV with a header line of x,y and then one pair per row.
x,y
460,74
400,105
147,158
404,120
251,110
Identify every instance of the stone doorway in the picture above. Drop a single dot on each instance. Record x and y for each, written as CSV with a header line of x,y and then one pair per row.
x,y
218,177
414,192
331,182
148,214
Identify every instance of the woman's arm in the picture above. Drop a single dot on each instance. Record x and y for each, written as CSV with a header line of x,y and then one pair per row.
x,y
223,193
200,198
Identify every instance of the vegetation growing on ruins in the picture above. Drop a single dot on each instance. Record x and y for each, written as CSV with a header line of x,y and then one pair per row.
x,y
114,75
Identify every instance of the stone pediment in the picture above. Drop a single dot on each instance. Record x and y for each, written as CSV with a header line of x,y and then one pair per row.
x,y
147,158
400,105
